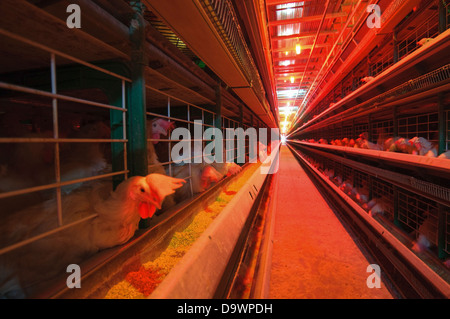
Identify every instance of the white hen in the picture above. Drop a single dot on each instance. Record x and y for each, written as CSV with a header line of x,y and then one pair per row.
x,y
445,155
202,177
426,234
117,218
423,147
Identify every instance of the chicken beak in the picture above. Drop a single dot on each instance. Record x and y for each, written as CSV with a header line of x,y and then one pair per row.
x,y
149,205
155,200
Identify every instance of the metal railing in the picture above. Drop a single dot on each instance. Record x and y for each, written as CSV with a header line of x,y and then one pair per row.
x,y
224,18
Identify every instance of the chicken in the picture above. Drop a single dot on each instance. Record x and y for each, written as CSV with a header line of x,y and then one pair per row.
x,y
337,142
346,188
389,144
426,235
80,160
337,180
117,217
323,141
226,169
223,167
424,41
155,166
351,143
402,145
360,195
367,79
363,142
364,136
368,206
369,145
43,155
160,127
445,155
422,146
421,244
447,263
378,208
202,177
329,173
263,151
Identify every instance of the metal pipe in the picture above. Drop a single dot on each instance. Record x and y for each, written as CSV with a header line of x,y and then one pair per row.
x,y
59,184
311,53
349,19
59,53
56,136
24,89
58,140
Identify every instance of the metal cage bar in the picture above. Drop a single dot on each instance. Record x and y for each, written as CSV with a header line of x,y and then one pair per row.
x,y
57,140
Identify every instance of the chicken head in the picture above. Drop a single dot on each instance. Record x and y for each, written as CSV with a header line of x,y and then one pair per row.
x,y
209,175
160,186
161,127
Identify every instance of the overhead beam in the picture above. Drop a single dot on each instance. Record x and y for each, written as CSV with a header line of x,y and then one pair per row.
x,y
303,35
296,73
305,47
307,19
276,2
297,57
291,66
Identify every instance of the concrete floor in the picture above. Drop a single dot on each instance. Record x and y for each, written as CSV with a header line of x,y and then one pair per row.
x,y
313,255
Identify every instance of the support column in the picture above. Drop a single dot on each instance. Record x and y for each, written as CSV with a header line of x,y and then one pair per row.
x,y
395,43
441,124
395,121
442,17
218,108
137,139
442,223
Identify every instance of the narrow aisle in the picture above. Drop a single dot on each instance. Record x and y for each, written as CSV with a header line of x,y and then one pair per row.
x,y
313,256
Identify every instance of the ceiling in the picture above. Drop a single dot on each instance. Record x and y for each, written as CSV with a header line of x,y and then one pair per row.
x,y
305,36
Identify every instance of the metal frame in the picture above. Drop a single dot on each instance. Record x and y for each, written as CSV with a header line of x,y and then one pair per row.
x,y
189,121
55,97
406,209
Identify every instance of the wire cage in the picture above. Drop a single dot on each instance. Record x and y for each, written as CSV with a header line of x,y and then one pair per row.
x,y
66,130
383,192
45,121
418,215
424,125
409,42
414,214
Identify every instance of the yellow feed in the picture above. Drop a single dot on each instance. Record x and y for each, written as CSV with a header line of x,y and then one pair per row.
x,y
141,283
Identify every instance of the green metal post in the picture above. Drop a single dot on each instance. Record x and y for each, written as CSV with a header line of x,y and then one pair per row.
x,y
442,223
442,147
395,121
218,108
218,116
395,43
442,17
137,139
137,118
396,221
241,115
